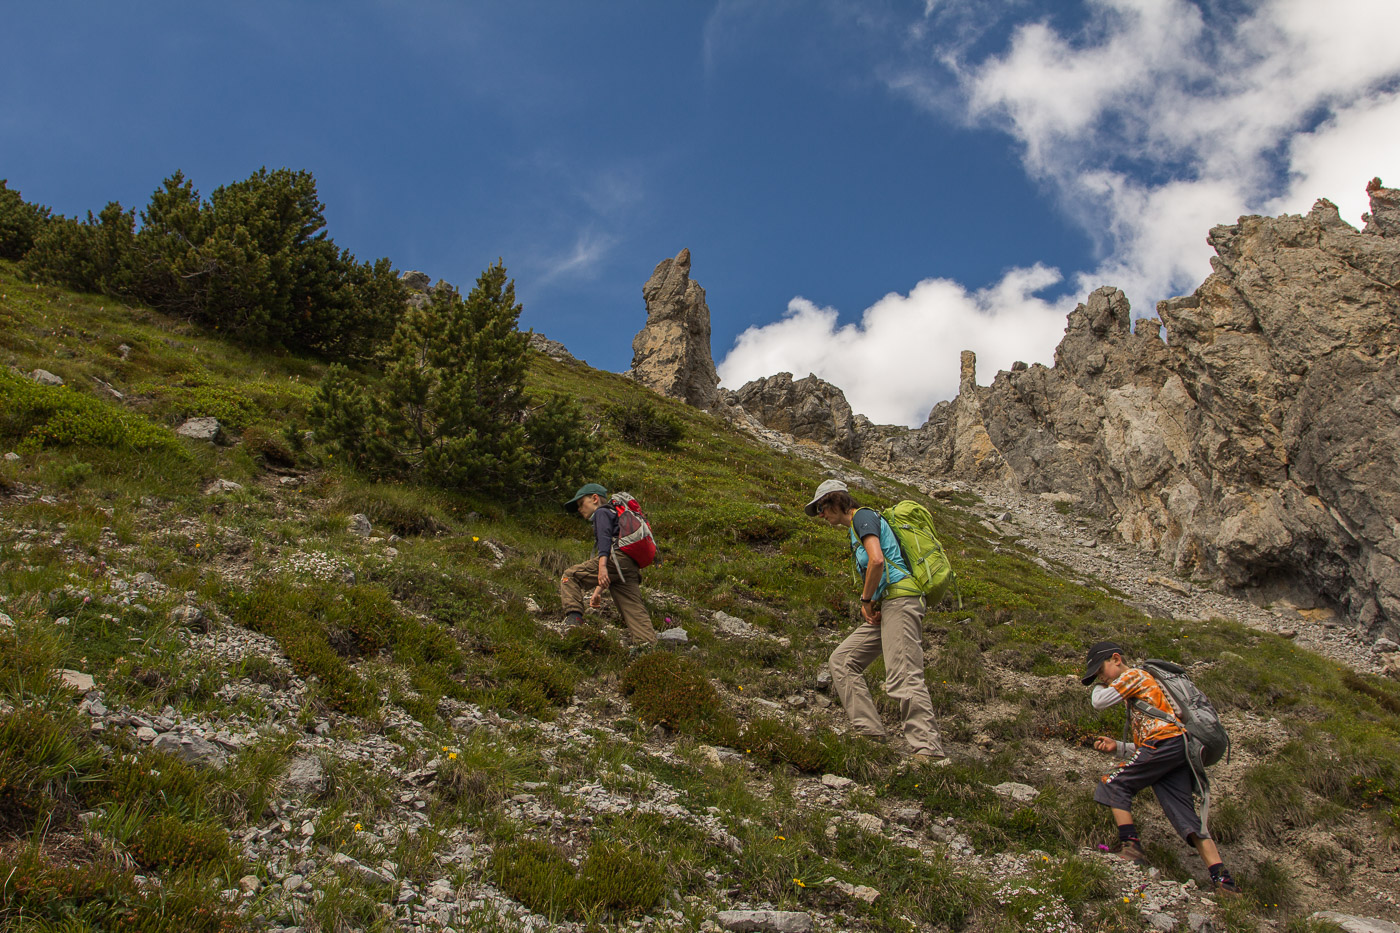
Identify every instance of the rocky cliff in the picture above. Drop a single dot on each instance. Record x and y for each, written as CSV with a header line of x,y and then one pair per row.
x,y
1250,433
671,354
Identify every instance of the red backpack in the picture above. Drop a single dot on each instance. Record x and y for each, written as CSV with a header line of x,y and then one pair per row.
x,y
634,536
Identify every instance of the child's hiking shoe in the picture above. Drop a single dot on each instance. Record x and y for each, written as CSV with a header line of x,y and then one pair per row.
x,y
1222,883
1226,887
1129,850
573,618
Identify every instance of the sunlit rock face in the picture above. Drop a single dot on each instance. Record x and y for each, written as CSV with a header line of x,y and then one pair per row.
x,y
1250,433
671,353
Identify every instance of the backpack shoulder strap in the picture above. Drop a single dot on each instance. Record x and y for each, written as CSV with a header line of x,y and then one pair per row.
x,y
1148,709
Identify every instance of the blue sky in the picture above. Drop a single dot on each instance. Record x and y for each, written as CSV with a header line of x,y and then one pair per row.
x,y
853,179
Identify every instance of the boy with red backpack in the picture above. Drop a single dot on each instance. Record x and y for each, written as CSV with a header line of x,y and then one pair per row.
x,y
611,568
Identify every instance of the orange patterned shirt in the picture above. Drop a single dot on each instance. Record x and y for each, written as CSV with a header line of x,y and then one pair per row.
x,y
1138,684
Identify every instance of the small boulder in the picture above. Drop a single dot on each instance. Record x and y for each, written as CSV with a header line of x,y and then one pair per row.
x,y
733,625
836,781
191,749
222,485
1021,793
45,378
77,680
202,429
1166,923
1354,924
305,775
359,524
673,636
358,870
764,921
190,617
856,892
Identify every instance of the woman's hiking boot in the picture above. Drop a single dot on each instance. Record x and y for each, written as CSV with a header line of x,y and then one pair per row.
x,y
925,760
1129,850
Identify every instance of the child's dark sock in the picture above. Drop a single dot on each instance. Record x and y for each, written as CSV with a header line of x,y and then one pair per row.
x,y
1218,872
1128,832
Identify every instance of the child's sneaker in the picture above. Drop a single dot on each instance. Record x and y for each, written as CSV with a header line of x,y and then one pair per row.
x,y
1225,886
573,618
1129,850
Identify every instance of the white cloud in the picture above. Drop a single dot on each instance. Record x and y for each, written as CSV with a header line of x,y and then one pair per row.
x,y
583,259
904,354
1153,122
1329,161
1153,125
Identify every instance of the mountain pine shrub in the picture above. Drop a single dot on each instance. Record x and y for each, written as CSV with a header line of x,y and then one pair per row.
x,y
452,409
20,223
253,262
644,424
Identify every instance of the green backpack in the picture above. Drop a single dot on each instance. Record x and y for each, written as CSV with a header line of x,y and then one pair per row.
x,y
923,553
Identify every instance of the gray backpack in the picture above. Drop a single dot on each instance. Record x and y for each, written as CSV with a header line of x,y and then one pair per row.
x,y
1206,739
1198,715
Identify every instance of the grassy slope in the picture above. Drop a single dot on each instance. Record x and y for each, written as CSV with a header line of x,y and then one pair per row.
x,y
447,622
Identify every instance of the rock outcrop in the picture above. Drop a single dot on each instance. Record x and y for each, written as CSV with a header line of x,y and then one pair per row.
x,y
808,408
671,354
1257,444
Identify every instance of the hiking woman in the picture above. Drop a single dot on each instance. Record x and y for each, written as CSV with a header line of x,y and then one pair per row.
x,y
892,613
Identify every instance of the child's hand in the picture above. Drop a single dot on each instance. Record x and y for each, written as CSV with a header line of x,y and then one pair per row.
x,y
1105,744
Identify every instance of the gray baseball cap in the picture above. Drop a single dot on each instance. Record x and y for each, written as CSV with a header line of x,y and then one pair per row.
x,y
829,486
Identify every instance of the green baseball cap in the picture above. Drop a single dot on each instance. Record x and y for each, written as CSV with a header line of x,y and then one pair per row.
x,y
587,489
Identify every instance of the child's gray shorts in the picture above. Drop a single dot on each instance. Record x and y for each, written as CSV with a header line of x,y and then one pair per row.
x,y
1165,770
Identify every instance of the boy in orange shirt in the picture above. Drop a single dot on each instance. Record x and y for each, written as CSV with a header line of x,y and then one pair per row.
x,y
1156,759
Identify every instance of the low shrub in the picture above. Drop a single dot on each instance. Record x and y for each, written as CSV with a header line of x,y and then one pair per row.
x,y
169,843
97,897
779,743
644,424
20,223
591,641
234,410
40,417
619,879
669,690
270,448
520,662
537,875
43,760
614,877
404,510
